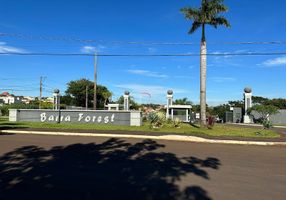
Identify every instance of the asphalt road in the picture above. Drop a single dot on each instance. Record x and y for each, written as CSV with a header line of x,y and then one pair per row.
x,y
57,167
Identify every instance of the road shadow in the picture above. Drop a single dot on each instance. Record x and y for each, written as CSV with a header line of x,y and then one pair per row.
x,y
114,169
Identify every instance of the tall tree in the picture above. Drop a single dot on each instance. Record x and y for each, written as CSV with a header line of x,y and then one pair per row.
x,y
207,14
77,91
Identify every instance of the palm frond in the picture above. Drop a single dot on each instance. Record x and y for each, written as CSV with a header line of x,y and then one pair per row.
x,y
191,13
217,6
194,27
219,21
208,13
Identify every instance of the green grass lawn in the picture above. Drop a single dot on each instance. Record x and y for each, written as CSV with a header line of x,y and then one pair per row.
x,y
218,129
279,124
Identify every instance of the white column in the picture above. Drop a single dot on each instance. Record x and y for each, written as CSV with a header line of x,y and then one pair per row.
x,y
247,105
169,103
126,100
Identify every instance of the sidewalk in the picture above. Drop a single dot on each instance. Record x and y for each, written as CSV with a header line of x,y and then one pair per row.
x,y
153,135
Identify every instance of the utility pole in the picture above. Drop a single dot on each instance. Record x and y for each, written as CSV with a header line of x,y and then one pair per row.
x,y
41,92
95,80
86,97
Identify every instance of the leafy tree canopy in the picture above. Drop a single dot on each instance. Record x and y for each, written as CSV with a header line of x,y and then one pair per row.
x,y
278,102
264,110
183,101
133,105
76,93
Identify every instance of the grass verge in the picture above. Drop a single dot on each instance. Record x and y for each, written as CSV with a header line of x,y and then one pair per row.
x,y
218,130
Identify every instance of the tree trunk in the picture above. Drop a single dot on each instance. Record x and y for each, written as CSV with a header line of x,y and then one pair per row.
x,y
203,73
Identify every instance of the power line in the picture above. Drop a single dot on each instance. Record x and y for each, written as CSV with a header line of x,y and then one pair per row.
x,y
11,89
18,78
78,40
147,55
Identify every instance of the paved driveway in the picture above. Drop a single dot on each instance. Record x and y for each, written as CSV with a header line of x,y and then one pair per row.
x,y
57,167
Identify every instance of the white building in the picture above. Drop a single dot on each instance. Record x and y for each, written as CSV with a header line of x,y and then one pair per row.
x,y
10,98
28,99
182,112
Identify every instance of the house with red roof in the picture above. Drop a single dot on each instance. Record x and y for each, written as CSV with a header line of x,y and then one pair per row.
x,y
8,98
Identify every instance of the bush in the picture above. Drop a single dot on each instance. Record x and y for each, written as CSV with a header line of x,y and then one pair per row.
x,y
169,121
5,108
267,124
177,122
157,119
210,122
265,112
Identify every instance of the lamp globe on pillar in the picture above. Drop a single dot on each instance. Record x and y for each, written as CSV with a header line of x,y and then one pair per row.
x,y
169,102
56,99
126,100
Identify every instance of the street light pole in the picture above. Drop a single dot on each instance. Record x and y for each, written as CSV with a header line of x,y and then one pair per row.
x,y
95,81
86,97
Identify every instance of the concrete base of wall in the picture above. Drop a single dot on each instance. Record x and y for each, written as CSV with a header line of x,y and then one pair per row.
x,y
247,119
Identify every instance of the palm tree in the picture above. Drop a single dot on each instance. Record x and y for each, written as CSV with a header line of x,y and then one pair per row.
x,y
106,95
207,14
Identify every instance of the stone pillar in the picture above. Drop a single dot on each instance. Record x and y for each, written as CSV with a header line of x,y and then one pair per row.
x,y
169,103
247,105
126,100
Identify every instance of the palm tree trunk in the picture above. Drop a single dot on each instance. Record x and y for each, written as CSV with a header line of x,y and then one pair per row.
x,y
203,73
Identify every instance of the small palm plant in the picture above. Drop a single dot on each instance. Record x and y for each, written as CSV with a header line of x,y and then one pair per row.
x,y
156,119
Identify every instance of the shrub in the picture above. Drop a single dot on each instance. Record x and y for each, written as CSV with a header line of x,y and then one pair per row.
x,y
5,108
265,112
177,122
210,122
157,119
267,124
169,121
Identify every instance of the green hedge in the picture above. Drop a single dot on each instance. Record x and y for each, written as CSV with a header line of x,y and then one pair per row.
x,y
5,108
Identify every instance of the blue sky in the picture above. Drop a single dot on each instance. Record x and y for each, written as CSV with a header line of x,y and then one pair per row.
x,y
142,21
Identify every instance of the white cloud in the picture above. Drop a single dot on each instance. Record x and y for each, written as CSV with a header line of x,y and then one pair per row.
x,y
222,79
152,89
275,62
228,54
92,49
147,73
88,49
221,54
222,59
158,93
183,77
4,48
152,50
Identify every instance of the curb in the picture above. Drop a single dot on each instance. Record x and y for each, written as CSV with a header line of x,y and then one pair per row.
x,y
179,138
